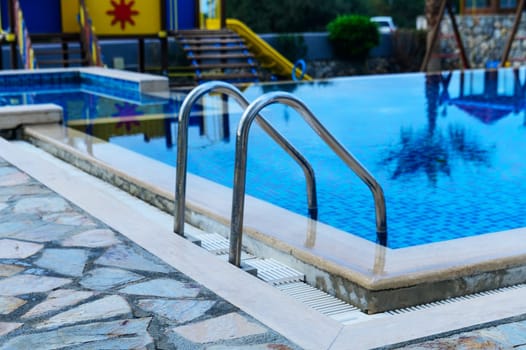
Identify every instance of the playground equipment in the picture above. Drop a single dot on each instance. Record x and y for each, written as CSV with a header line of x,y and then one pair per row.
x,y
267,56
218,55
505,60
61,33
432,50
34,32
493,7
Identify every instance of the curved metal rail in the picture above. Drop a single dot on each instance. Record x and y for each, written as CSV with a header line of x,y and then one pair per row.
x,y
238,199
182,149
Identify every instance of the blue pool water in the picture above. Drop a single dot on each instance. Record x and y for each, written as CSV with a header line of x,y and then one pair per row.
x,y
85,103
448,151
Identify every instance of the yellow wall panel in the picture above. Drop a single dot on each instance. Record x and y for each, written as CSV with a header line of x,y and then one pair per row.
x,y
69,10
114,17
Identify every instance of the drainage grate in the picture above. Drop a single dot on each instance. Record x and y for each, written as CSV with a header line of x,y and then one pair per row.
x,y
244,256
213,242
454,300
274,272
318,300
290,282
285,278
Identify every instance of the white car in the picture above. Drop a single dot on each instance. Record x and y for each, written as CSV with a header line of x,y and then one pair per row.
x,y
385,24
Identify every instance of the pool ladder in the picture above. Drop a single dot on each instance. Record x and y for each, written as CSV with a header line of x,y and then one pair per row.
x,y
252,113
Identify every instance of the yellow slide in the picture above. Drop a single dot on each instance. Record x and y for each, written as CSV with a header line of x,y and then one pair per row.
x,y
266,55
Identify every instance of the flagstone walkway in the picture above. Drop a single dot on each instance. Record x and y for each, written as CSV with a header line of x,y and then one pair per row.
x,y
501,337
67,281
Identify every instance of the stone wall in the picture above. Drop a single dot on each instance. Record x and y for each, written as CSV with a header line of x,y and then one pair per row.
x,y
484,38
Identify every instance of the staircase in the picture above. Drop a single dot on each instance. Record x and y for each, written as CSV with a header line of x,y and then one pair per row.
x,y
58,50
218,55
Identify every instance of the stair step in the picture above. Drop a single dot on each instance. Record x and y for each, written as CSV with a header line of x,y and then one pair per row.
x,y
235,76
49,52
210,41
239,65
203,37
220,57
204,32
215,48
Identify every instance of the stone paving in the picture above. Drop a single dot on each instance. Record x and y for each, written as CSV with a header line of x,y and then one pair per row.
x,y
67,281
502,337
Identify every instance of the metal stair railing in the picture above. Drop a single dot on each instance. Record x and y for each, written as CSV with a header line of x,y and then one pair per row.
x,y
88,38
182,149
238,199
25,47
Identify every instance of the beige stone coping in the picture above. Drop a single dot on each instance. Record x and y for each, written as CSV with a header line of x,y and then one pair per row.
x,y
14,116
148,83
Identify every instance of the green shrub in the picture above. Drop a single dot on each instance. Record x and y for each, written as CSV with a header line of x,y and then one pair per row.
x,y
353,36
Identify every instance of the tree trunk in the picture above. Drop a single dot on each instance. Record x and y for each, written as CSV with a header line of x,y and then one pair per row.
x,y
432,11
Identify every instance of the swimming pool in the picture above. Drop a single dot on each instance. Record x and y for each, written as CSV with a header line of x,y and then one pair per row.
x,y
370,276
445,148
446,160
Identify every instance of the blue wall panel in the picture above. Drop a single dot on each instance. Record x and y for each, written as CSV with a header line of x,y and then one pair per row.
x,y
42,16
186,14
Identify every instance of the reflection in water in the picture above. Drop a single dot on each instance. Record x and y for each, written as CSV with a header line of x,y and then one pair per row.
x,y
490,104
419,151
128,120
293,86
519,92
467,148
430,150
379,260
127,114
310,241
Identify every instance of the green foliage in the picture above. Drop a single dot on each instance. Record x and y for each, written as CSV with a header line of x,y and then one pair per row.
x,y
291,46
290,16
294,16
353,36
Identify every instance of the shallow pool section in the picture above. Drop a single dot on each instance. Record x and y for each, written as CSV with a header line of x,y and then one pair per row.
x,y
85,94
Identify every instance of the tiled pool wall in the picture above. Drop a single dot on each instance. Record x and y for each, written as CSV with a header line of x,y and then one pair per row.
x,y
95,80
22,81
110,85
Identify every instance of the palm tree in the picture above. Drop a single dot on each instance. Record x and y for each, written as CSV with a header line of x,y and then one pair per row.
x,y
429,150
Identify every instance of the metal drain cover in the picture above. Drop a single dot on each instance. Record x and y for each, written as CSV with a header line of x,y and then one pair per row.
x,y
274,272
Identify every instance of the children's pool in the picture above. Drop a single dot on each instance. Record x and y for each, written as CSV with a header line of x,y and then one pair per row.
x,y
447,149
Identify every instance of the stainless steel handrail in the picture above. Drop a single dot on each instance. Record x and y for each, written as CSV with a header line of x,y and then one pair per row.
x,y
182,149
238,199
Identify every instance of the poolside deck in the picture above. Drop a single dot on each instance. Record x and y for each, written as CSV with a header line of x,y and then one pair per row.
x,y
86,265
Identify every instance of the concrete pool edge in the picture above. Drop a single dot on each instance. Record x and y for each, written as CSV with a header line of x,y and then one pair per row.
x,y
375,279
